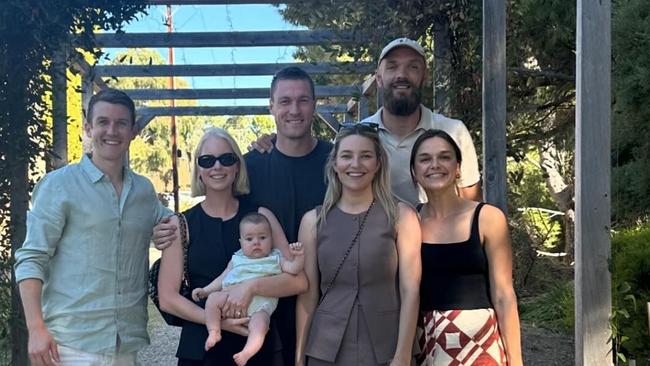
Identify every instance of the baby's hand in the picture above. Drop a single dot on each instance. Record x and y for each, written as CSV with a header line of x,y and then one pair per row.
x,y
198,294
297,249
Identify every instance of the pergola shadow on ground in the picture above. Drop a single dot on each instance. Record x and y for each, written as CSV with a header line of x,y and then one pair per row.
x,y
593,116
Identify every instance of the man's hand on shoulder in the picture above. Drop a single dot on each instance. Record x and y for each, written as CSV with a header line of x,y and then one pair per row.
x,y
263,144
164,233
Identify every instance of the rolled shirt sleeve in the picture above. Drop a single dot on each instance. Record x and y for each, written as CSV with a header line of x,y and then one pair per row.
x,y
45,222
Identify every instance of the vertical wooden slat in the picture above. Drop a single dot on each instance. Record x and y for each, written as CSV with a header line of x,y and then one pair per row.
x,y
86,93
59,112
363,108
441,64
494,102
592,165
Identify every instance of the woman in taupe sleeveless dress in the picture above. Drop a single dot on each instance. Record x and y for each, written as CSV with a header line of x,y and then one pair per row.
x,y
362,259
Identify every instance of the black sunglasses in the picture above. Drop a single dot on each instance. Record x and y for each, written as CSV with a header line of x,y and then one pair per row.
x,y
360,126
208,161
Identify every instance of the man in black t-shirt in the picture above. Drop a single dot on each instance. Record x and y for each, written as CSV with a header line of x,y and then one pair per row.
x,y
290,180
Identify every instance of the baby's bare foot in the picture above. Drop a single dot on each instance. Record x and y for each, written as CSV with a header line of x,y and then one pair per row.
x,y
242,357
213,338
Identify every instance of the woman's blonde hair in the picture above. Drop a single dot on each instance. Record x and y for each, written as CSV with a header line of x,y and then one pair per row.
x,y
240,186
380,182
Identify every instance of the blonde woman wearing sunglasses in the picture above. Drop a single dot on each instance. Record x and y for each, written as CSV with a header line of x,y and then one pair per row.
x,y
220,175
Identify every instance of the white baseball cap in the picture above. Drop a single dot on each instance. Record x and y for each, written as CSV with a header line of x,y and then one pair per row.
x,y
402,42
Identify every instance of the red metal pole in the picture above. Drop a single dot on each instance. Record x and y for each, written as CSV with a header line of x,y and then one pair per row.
x,y
173,119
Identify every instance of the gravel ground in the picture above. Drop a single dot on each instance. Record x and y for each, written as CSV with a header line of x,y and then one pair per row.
x,y
541,347
164,341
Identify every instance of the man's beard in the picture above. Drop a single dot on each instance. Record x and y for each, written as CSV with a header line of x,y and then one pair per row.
x,y
402,105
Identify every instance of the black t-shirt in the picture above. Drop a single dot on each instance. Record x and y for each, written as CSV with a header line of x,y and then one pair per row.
x,y
289,187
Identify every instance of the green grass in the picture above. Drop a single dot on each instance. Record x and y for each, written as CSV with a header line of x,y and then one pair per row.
x,y
553,309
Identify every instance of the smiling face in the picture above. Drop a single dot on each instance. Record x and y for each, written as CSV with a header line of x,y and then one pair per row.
x,y
292,105
111,130
218,177
400,77
356,163
436,165
256,240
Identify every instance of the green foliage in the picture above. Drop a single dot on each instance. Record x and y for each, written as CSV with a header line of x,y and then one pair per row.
x,y
246,129
553,309
631,291
630,268
528,192
630,130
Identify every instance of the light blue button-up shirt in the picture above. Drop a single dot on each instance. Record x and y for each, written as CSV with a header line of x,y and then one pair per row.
x,y
90,249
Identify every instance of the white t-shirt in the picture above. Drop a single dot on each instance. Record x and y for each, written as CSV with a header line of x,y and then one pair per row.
x,y
399,153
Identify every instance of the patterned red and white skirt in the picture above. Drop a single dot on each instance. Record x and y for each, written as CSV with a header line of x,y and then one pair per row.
x,y
460,338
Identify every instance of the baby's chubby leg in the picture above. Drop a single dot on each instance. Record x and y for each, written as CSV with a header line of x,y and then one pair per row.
x,y
213,317
257,328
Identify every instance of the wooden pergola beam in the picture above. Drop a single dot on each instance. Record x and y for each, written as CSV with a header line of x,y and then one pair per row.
x,y
230,70
218,2
367,88
329,119
224,39
226,110
238,93
86,70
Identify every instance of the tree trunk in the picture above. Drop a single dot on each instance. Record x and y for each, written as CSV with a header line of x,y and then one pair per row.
x,y
553,163
19,203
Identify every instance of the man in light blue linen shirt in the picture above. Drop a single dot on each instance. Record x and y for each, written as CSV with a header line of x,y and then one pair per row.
x,y
82,270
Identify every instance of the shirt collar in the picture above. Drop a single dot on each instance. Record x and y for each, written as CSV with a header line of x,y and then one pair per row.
x,y
93,172
425,115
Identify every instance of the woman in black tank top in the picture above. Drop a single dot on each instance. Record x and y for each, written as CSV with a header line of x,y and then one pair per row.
x,y
219,174
467,301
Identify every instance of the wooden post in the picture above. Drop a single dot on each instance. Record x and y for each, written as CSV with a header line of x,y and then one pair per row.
x,y
86,94
494,103
363,108
441,64
592,166
59,111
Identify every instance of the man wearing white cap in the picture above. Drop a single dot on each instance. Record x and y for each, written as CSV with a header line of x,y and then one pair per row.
x,y
400,78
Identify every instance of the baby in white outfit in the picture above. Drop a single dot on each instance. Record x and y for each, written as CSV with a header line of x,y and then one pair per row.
x,y
255,259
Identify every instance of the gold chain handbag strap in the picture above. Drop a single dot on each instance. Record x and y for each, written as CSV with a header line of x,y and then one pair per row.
x,y
185,241
347,252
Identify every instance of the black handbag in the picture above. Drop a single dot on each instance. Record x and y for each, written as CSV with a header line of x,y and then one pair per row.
x,y
185,289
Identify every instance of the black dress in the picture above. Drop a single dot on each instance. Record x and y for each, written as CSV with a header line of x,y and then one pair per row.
x,y
212,243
